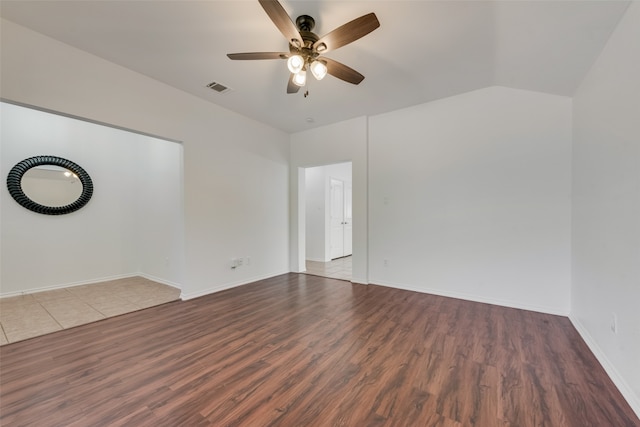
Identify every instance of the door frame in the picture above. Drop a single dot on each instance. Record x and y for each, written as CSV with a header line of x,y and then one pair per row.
x,y
340,142
359,216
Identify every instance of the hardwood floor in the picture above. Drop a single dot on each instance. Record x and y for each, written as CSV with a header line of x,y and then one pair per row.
x,y
301,350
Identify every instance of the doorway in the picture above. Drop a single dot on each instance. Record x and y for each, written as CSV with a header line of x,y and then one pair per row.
x,y
328,220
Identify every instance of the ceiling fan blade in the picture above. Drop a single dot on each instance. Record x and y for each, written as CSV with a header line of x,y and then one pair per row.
x,y
341,71
282,20
291,86
259,55
347,33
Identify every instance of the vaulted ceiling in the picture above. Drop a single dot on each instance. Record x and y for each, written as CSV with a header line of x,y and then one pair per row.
x,y
423,50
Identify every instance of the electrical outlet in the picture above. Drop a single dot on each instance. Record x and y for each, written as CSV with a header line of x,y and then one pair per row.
x,y
386,263
614,323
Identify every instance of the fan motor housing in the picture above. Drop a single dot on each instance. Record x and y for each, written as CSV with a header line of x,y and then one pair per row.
x,y
305,23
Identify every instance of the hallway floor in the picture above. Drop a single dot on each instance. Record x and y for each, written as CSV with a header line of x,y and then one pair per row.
x,y
340,268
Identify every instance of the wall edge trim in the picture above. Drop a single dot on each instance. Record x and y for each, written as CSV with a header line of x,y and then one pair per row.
x,y
632,399
224,286
86,282
159,280
66,285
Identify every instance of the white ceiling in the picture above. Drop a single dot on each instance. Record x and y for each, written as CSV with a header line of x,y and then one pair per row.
x,y
423,50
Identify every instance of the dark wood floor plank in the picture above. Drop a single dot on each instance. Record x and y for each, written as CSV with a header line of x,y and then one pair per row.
x,y
305,350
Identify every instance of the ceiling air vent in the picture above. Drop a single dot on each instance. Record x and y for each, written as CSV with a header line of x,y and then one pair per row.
x,y
218,87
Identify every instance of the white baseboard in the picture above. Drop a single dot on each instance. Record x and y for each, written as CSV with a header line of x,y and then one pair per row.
x,y
68,285
359,281
229,285
317,260
476,298
89,282
159,280
609,368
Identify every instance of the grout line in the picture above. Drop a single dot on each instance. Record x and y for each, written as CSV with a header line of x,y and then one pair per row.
x,y
50,315
4,333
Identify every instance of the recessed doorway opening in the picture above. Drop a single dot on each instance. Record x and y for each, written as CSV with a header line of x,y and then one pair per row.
x,y
329,220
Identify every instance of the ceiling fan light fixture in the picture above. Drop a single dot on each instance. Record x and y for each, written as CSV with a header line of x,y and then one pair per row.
x,y
300,78
295,63
318,69
306,47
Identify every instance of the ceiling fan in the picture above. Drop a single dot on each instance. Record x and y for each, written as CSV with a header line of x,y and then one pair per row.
x,y
306,48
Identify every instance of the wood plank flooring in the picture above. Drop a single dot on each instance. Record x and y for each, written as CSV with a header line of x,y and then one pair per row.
x,y
301,350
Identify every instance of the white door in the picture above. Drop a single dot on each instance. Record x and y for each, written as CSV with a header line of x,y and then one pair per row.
x,y
348,219
337,218
341,216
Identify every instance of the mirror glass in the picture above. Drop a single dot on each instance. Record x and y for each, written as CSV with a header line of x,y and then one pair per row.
x,y
51,185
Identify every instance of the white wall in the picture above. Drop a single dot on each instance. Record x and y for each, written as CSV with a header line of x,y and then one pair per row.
x,y
341,171
470,197
136,182
318,207
336,143
235,169
606,207
160,201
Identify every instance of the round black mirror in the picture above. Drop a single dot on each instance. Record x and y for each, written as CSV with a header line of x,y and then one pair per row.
x,y
50,185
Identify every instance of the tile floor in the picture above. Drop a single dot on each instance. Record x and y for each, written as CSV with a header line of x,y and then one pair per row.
x,y
337,269
31,315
